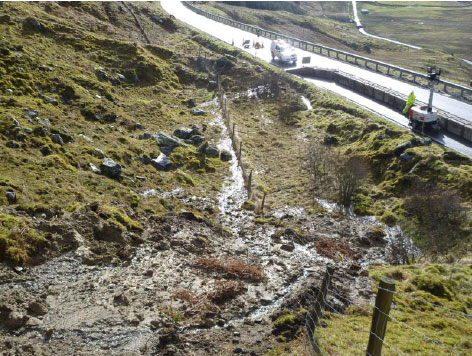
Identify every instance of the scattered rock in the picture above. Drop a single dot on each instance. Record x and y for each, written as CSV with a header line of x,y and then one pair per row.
x,y
41,131
226,155
48,99
31,24
330,140
15,320
142,179
11,144
21,137
99,153
198,112
288,247
156,19
212,151
212,84
120,76
144,136
86,138
38,308
95,169
110,168
397,151
56,138
161,163
195,130
183,133
121,299
166,143
196,140
406,157
28,130
190,103
11,197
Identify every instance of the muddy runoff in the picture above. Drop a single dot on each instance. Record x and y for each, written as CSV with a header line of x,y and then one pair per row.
x,y
152,293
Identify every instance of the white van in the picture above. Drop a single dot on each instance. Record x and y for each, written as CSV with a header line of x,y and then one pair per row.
x,y
283,51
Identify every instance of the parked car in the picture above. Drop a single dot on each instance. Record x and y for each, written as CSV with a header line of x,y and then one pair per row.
x,y
283,52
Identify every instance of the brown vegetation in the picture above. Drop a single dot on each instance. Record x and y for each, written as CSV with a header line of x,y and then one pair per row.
x,y
231,267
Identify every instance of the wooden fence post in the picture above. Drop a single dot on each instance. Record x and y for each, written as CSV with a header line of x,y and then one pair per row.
x,y
234,130
263,202
249,184
240,149
383,302
321,296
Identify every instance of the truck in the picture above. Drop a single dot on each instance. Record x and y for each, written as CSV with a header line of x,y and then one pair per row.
x,y
426,117
282,51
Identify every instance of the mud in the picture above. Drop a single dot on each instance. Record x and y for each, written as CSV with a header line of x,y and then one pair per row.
x,y
124,297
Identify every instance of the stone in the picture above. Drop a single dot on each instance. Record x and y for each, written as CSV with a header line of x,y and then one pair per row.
x,y
145,159
288,247
212,151
94,168
196,140
21,137
161,163
38,308
212,84
406,157
144,136
31,24
110,168
183,133
195,130
156,19
397,151
44,122
120,76
48,99
198,112
140,178
28,130
190,103
41,131
121,299
330,140
226,156
139,126
56,138
115,82
11,197
15,320
165,142
99,153
223,64
11,144
101,74
86,138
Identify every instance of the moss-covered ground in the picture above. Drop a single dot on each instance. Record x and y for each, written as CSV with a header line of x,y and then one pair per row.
x,y
74,63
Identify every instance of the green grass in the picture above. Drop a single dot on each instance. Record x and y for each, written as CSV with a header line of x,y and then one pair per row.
x,y
445,285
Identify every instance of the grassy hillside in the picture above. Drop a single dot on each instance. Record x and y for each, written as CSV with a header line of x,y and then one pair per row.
x,y
329,23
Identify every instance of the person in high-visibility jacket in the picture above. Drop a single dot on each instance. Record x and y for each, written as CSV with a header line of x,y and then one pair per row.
x,y
409,102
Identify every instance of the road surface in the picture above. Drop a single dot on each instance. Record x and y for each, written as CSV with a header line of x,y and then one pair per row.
x,y
233,35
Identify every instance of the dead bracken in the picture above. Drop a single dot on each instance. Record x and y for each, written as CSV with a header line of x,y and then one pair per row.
x,y
232,267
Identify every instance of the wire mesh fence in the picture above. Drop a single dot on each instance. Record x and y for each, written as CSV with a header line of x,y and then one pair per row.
x,y
334,319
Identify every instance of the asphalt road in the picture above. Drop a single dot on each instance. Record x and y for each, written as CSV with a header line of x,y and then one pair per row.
x,y
236,36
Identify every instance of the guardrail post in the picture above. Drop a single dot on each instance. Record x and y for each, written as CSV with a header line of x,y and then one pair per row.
x,y
383,302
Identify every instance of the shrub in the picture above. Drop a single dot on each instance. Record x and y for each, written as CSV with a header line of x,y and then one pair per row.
x,y
232,267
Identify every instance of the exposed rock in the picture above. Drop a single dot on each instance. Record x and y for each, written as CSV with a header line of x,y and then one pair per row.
x,y
190,103
94,168
11,144
56,138
222,64
401,148
166,143
156,19
99,153
48,99
140,178
21,137
44,122
106,231
120,76
121,299
28,130
31,24
101,74
15,320
195,130
110,168
41,131
212,151
406,157
225,155
144,136
161,163
212,84
330,140
288,247
196,140
38,308
183,133
198,112
11,197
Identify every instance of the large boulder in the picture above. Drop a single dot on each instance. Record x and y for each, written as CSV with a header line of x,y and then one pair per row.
x,y
225,155
161,163
183,133
212,151
110,168
31,24
166,143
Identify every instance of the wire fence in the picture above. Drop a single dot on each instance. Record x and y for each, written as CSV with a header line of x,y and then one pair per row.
x,y
326,307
